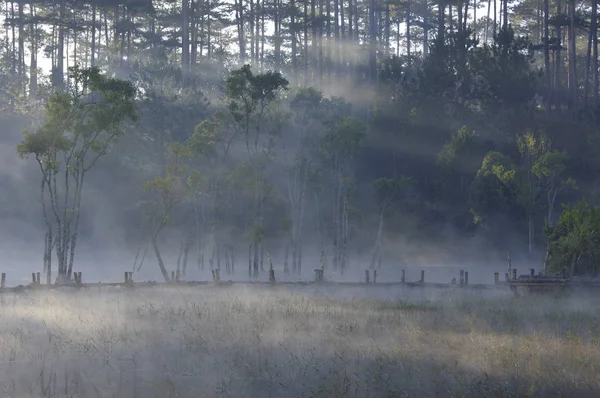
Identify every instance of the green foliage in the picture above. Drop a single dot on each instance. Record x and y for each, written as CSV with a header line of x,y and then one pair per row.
x,y
503,73
574,243
250,94
498,165
306,101
206,137
87,119
388,188
459,146
342,139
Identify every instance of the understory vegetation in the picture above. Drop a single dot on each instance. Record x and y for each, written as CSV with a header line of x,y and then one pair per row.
x,y
297,342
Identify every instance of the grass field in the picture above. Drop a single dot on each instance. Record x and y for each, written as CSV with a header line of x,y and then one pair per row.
x,y
297,342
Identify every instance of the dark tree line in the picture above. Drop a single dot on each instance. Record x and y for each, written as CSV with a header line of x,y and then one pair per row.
x,y
474,117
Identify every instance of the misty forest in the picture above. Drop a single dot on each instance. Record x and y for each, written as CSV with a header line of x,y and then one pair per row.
x,y
172,139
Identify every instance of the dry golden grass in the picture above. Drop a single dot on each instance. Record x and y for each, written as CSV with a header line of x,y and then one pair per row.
x,y
296,342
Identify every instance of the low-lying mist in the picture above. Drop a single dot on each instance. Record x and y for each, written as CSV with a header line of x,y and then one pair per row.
x,y
306,341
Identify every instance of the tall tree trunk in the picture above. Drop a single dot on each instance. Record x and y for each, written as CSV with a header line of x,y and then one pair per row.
x,y
251,28
161,263
305,52
59,73
342,42
547,57
314,56
321,43
441,23
294,38
336,34
257,12
185,40
33,77
495,18
14,56
588,62
277,35
387,32
372,43
350,24
209,35
240,29
573,56
262,35
193,33
328,18
408,36
93,43
487,22
558,62
425,33
594,28
22,84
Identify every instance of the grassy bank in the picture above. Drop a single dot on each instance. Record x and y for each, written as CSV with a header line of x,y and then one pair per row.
x,y
263,342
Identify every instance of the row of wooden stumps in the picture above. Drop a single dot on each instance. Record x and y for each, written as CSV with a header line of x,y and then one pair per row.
x,y
36,278
368,276
402,278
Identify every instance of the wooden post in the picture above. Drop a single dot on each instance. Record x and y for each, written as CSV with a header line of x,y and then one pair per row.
x,y
466,277
3,281
367,276
213,275
319,275
38,279
272,275
509,265
126,277
218,275
403,278
462,276
374,276
514,273
422,276
496,278
532,271
33,278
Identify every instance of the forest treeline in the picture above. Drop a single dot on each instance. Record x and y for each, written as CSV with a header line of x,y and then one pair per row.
x,y
353,128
